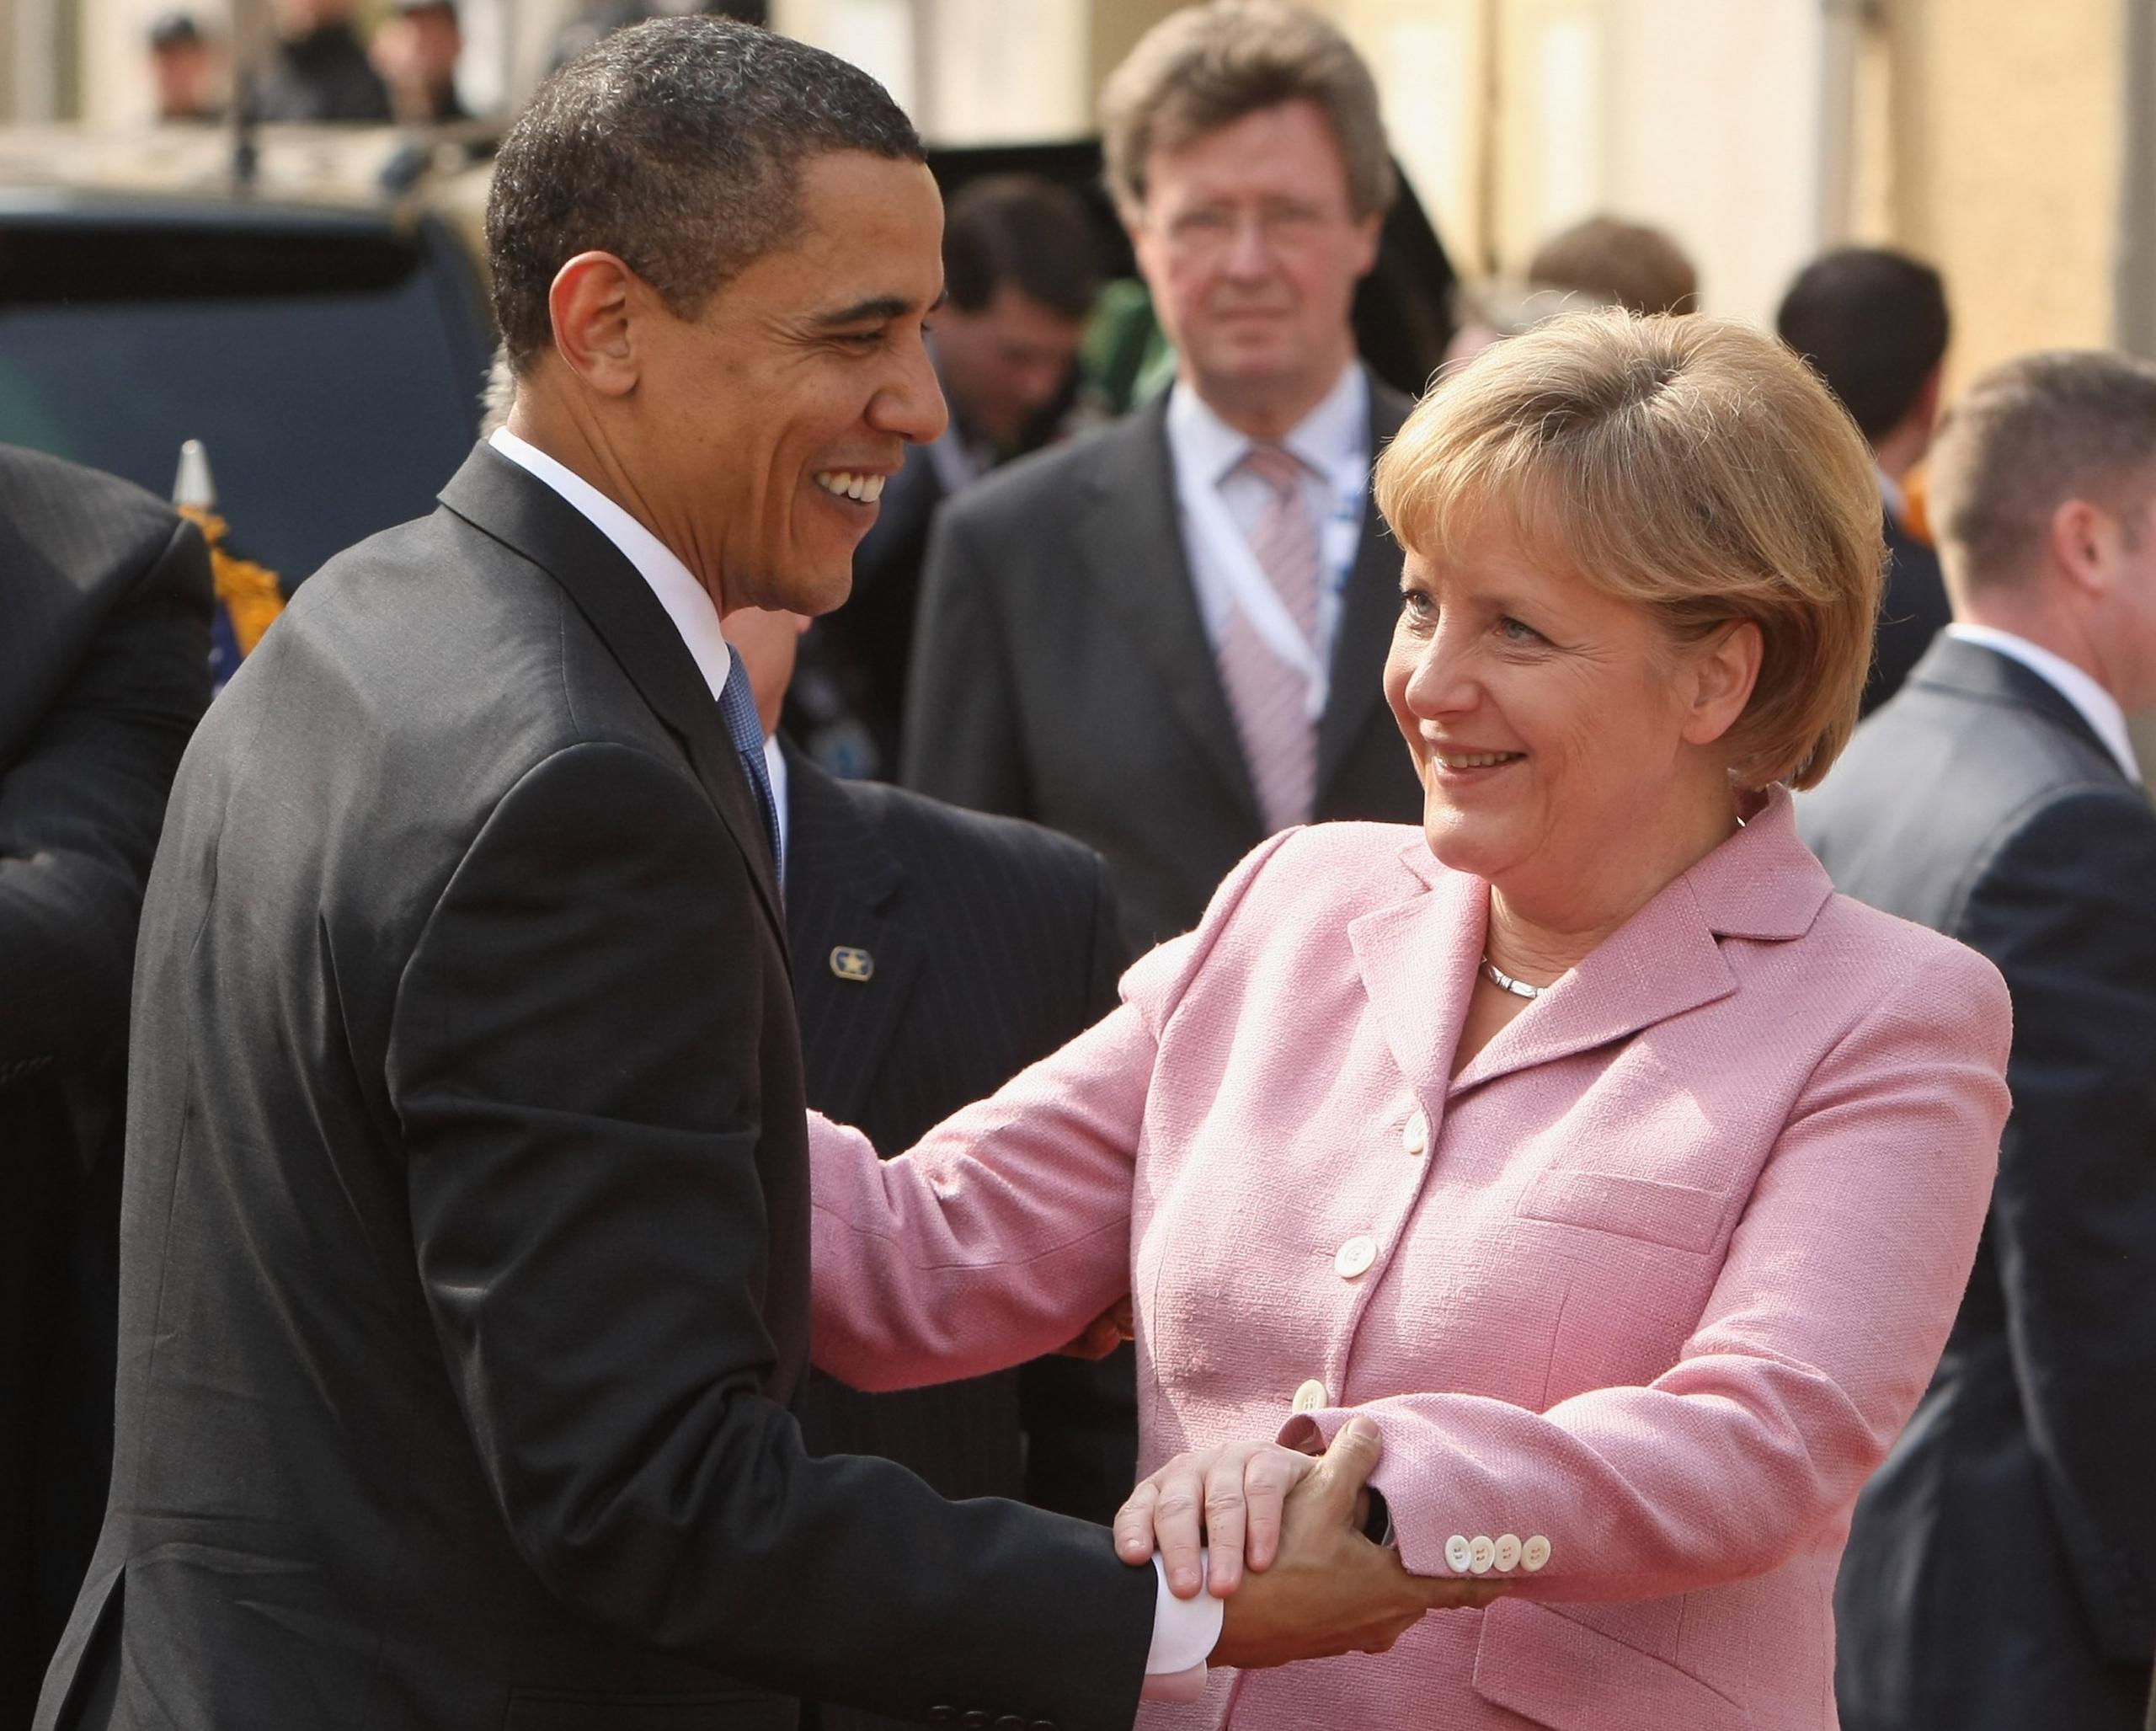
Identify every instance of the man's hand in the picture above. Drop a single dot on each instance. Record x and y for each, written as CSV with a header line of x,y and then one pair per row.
x,y
1331,1590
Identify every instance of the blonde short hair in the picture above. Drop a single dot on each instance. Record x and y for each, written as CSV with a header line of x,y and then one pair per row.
x,y
1692,466
1204,67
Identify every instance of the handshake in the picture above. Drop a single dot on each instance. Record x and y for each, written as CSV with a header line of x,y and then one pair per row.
x,y
1283,1534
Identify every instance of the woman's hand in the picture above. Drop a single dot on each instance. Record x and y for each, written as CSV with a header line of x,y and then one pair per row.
x,y
1231,1495
1103,1335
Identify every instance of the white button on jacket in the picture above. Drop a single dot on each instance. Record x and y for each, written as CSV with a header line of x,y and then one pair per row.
x,y
1459,1553
1482,1553
1310,1396
1535,1553
1415,1137
1355,1257
1508,1556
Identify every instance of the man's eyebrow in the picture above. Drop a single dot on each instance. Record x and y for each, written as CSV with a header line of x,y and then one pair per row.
x,y
874,311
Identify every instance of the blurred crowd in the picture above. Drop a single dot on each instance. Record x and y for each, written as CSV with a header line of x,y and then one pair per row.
x,y
1084,604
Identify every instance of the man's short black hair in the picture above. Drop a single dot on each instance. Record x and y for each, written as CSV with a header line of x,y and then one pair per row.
x,y
1873,324
1027,232
676,146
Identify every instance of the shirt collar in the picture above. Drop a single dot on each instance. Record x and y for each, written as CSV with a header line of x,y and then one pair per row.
x,y
2097,707
687,602
1895,496
1331,439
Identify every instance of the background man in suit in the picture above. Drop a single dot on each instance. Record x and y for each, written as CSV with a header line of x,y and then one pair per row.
x,y
2002,1569
105,670
1165,639
1873,322
1020,272
937,953
319,70
466,1276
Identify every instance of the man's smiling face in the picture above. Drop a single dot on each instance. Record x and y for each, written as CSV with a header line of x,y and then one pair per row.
x,y
773,418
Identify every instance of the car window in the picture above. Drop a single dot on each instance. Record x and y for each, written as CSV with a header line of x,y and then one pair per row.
x,y
330,379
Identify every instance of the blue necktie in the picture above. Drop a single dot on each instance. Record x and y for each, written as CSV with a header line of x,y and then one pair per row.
x,y
737,704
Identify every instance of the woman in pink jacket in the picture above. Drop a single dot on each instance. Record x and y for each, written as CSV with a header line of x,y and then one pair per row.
x,y
1625,1175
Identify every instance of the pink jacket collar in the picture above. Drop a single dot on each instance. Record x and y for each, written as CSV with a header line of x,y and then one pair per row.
x,y
1418,958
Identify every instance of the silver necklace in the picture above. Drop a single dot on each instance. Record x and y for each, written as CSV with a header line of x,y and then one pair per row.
x,y
1505,982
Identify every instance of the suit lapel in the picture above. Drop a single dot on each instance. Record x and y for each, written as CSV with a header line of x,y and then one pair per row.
x,y
843,892
1974,671
1370,604
1130,534
1416,958
505,501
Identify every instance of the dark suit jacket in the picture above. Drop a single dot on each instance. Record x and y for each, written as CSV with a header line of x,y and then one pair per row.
x,y
466,1235
1062,673
1913,611
2002,1570
993,942
104,668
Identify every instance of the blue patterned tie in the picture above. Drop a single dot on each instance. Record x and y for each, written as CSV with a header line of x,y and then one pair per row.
x,y
737,704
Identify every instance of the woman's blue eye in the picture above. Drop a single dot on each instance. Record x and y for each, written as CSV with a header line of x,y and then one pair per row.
x,y
1516,631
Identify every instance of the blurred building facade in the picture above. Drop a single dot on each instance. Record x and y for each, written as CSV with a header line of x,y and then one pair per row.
x,y
2010,143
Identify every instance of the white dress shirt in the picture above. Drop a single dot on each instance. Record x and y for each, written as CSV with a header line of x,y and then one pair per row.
x,y
687,602
1333,443
2097,707
1184,1630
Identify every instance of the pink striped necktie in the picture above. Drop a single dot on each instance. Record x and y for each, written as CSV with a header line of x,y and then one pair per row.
x,y
1270,698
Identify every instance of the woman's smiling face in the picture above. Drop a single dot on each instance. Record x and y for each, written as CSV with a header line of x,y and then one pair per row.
x,y
1548,719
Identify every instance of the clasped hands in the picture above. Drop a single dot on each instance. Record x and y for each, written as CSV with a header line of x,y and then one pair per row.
x,y
1282,1533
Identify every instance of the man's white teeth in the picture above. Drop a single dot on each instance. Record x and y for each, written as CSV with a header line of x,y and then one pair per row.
x,y
1480,759
867,489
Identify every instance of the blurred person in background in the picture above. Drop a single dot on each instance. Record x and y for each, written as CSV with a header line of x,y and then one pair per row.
x,y
1604,261
319,70
1021,268
2001,1570
1873,324
105,598
185,70
937,954
415,53
1164,639
1619,264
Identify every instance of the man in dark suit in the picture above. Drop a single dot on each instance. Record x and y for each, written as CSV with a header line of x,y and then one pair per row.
x,y
465,1247
1167,639
939,951
1874,324
2001,1571
319,70
1020,270
105,670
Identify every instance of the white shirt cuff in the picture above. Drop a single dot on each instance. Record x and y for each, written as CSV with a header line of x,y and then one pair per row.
x,y
1184,1632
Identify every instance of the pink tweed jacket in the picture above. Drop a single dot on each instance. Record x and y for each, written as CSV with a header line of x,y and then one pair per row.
x,y
1639,1298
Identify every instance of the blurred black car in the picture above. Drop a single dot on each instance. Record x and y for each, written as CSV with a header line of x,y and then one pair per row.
x,y
328,351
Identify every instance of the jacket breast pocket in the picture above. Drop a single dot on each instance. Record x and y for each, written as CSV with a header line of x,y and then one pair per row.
x,y
1682,1216
588,1710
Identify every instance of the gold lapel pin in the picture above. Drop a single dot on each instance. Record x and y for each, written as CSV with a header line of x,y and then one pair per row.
x,y
851,963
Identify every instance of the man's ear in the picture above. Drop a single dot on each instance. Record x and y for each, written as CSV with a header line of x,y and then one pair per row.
x,y
1725,669
595,303
2078,533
